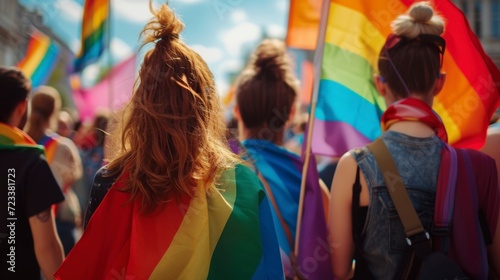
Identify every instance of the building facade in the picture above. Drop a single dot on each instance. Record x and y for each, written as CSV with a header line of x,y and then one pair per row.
x,y
484,19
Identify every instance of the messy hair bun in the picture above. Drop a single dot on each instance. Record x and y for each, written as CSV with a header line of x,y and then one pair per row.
x,y
268,85
420,19
164,25
270,59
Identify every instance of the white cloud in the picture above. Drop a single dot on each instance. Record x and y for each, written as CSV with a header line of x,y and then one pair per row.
x,y
89,74
210,55
132,10
120,49
53,11
231,65
238,15
237,37
276,31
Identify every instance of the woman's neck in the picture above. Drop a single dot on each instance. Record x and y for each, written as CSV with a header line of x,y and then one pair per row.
x,y
413,128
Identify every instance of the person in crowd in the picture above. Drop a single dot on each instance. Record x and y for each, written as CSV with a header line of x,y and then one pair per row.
x,y
63,158
65,124
174,202
92,154
369,229
29,244
266,93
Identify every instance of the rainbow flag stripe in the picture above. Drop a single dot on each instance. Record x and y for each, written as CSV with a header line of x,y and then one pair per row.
x,y
13,138
225,234
94,32
348,105
50,143
41,57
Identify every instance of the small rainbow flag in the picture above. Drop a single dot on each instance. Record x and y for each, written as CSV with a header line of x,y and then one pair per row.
x,y
94,32
348,105
224,232
41,57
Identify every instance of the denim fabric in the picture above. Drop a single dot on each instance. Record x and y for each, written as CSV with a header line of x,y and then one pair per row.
x,y
417,160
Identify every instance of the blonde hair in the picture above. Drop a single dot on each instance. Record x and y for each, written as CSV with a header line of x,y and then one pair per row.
x,y
421,19
172,133
45,105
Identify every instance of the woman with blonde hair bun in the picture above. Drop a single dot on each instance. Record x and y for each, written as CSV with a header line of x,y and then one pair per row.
x,y
174,202
366,220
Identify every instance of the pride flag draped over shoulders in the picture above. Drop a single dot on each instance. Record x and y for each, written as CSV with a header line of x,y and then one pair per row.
x,y
225,232
14,138
94,32
41,57
348,106
283,172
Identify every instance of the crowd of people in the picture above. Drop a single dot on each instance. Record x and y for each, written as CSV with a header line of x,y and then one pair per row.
x,y
172,191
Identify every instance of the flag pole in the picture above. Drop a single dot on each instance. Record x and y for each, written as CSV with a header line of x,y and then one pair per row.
x,y
110,60
318,57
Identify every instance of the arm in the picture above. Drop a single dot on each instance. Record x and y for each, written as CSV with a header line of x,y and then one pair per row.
x,y
339,222
48,248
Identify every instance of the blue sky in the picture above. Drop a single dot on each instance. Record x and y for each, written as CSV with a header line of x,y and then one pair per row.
x,y
221,31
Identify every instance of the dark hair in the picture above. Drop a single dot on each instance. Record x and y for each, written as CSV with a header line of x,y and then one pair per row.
x,y
417,62
15,89
266,91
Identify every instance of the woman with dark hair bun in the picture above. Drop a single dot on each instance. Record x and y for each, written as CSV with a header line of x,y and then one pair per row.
x,y
363,223
174,202
266,93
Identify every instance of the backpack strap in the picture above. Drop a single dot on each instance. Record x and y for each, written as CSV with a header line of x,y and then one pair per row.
x,y
445,197
417,236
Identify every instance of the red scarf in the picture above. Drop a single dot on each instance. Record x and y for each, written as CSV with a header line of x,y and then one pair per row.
x,y
412,109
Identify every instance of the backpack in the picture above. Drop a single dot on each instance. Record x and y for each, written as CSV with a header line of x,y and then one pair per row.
x,y
422,262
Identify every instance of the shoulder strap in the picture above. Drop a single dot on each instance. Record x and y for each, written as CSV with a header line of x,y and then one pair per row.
x,y
417,237
284,225
445,196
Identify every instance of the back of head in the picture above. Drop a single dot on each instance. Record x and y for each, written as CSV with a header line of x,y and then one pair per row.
x,y
415,59
173,131
266,91
15,89
45,106
100,125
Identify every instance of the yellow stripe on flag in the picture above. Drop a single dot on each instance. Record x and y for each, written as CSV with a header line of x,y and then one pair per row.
x,y
351,30
190,252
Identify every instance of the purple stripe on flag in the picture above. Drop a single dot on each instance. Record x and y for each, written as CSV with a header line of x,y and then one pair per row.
x,y
313,259
334,138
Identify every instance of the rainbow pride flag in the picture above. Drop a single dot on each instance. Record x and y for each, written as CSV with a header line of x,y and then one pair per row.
x,y
282,170
348,105
14,138
94,32
41,56
303,19
223,232
49,142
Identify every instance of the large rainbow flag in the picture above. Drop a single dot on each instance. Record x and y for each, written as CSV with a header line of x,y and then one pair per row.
x,y
348,104
223,232
94,32
282,172
41,57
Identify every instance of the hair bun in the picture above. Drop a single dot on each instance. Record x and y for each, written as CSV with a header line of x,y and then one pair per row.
x,y
421,12
270,59
163,26
420,19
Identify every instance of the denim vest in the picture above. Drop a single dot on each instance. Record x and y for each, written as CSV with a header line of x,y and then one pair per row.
x,y
417,160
